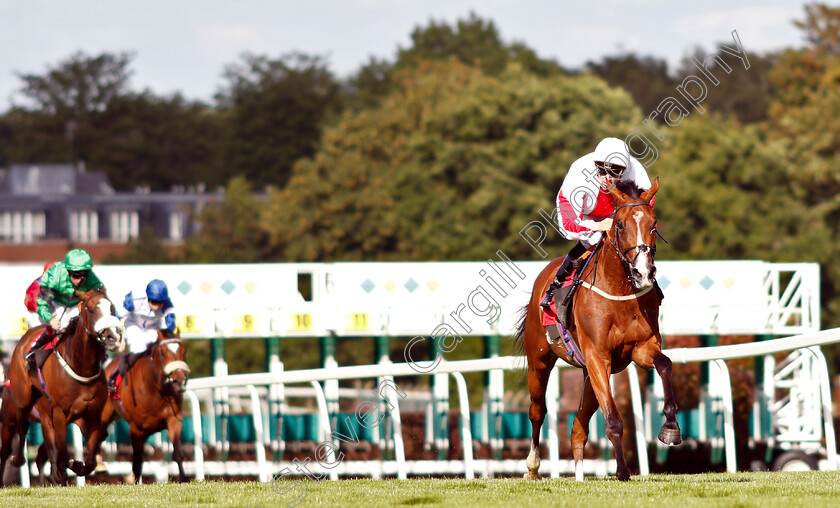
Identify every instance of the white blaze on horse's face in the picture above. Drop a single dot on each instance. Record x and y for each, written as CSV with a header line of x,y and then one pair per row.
x,y
643,261
108,321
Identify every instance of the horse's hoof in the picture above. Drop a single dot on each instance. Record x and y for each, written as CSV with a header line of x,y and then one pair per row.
x,y
670,437
624,477
100,467
129,479
531,476
77,466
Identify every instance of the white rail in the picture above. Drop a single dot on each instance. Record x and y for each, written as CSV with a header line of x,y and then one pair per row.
x,y
716,355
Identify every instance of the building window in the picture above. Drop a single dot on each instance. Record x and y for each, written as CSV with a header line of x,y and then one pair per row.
x,y
84,226
22,226
125,225
177,225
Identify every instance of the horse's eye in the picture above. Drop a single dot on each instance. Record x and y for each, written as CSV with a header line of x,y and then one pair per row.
x,y
619,225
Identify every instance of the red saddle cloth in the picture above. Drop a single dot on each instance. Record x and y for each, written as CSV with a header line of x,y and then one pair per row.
x,y
550,315
117,383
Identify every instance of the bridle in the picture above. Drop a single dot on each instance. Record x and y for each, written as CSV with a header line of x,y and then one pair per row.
x,y
169,368
102,324
640,248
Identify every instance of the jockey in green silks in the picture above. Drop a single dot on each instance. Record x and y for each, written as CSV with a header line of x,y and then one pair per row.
x,y
57,302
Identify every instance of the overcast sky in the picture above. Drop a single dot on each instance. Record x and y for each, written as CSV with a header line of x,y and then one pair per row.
x,y
184,45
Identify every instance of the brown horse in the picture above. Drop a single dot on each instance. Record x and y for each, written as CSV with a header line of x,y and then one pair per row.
x,y
614,319
150,398
73,388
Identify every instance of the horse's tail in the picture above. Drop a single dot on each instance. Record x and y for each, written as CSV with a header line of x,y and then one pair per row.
x,y
519,336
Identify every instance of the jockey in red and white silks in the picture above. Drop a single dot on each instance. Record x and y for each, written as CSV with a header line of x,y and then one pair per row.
x,y
584,201
585,207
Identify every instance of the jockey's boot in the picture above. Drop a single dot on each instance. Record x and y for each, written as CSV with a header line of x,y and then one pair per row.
x,y
38,343
564,271
126,362
561,304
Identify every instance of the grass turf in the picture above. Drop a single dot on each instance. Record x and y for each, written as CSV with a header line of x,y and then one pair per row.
x,y
765,489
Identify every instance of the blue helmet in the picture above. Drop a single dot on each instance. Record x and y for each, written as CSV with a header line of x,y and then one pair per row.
x,y
156,291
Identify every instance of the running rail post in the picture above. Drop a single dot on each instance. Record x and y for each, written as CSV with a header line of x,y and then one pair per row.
x,y
24,470
198,451
825,399
324,421
551,393
399,445
725,387
256,412
78,450
639,419
466,431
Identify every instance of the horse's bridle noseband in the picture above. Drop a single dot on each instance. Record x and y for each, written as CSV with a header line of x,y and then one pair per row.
x,y
641,248
169,368
100,336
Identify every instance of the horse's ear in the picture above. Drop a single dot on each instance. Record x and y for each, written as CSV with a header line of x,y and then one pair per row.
x,y
648,194
83,295
619,197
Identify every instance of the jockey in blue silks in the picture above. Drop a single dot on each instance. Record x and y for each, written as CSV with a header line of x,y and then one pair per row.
x,y
145,315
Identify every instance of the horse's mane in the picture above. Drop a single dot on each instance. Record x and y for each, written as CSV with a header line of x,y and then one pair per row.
x,y
630,188
70,330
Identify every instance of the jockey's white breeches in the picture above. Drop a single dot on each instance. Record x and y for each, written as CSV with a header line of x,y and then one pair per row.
x,y
138,338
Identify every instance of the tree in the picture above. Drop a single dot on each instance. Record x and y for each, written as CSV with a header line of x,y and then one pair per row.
x,y
230,231
159,142
822,28
68,97
742,93
275,110
82,110
146,249
451,166
79,86
473,41
646,78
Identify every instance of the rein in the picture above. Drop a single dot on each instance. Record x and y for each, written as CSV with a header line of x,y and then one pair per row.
x,y
64,363
641,248
170,367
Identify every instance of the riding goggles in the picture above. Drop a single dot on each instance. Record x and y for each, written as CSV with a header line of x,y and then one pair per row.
x,y
79,275
608,168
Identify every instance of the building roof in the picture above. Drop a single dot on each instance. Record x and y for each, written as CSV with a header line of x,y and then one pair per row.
x,y
52,180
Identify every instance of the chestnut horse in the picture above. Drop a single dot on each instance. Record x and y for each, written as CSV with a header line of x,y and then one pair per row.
x,y
614,319
150,398
73,388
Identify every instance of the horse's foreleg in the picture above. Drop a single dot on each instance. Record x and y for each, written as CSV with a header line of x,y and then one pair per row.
x,y
599,375
61,456
40,462
669,434
538,374
580,427
94,434
22,427
649,355
138,440
7,432
173,426
7,435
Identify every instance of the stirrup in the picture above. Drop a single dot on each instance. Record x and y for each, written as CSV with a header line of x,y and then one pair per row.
x,y
546,301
